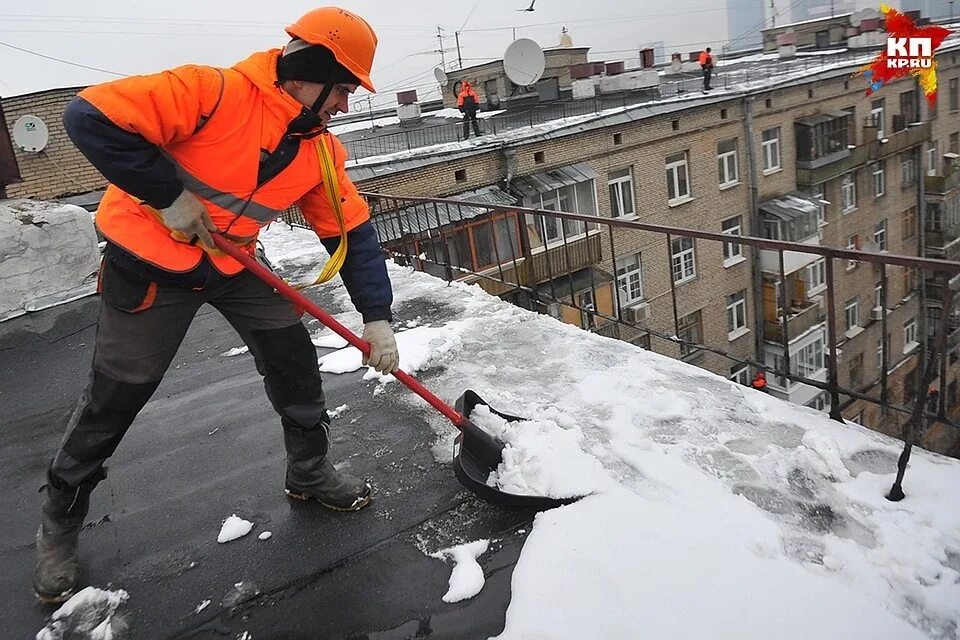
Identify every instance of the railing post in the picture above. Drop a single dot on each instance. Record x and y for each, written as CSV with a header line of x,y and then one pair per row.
x,y
785,338
673,292
885,359
832,336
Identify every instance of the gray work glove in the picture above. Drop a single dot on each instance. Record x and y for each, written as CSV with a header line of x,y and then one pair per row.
x,y
384,356
187,218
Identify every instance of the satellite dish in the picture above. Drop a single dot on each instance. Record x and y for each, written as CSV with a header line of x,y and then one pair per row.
x,y
30,133
524,62
440,75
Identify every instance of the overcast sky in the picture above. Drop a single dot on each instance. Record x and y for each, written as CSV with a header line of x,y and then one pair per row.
x,y
131,36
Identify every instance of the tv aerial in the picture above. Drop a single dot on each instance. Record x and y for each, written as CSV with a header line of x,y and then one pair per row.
x,y
524,62
30,134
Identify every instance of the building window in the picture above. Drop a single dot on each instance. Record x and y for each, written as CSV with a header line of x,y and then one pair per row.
x,y
691,331
909,226
848,188
910,385
932,158
736,311
618,138
879,179
585,302
771,150
740,374
731,250
621,192
851,310
816,276
678,183
955,143
723,114
629,279
953,91
876,116
853,244
684,262
539,157
821,402
816,191
908,169
824,138
768,103
550,231
727,163
880,235
460,175
675,125
809,359
910,280
909,335
856,371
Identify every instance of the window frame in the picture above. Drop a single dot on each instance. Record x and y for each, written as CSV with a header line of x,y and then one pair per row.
x,y
696,326
880,230
853,304
615,188
732,251
767,147
674,167
627,287
848,192
678,259
724,159
879,173
736,313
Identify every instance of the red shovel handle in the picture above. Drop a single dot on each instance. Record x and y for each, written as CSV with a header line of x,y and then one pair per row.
x,y
257,269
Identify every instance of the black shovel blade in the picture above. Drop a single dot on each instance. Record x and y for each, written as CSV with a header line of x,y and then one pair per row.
x,y
477,454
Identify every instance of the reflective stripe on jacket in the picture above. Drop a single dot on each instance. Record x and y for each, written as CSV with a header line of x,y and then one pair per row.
x,y
215,132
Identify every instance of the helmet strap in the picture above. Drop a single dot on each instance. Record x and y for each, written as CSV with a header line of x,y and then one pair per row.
x,y
327,90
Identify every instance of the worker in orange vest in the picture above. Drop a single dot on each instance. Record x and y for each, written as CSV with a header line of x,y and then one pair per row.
x,y
706,63
468,102
192,151
759,381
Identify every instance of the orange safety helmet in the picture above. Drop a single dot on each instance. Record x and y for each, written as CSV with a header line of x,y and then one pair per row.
x,y
348,36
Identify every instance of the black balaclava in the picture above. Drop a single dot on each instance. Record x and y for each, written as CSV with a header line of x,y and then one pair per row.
x,y
313,63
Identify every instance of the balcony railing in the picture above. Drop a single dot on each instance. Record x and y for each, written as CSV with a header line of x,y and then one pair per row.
x,y
870,151
798,323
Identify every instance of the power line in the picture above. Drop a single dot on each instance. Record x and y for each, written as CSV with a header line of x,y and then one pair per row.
x,y
54,58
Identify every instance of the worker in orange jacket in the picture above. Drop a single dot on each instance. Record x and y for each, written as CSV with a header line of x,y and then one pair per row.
x,y
189,152
468,102
706,63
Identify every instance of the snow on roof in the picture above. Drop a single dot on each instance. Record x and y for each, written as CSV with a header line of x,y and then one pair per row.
x,y
715,511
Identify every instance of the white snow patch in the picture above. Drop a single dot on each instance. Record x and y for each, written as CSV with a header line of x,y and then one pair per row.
x,y
203,605
466,578
266,535
234,527
336,413
717,511
236,351
328,340
91,614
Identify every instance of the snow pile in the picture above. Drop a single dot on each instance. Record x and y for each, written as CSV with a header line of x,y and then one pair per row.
x,y
716,510
234,527
466,579
90,614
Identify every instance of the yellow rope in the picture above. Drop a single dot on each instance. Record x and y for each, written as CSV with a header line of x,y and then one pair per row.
x,y
332,188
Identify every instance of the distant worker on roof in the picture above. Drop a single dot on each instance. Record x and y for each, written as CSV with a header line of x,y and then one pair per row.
x,y
706,63
468,102
192,151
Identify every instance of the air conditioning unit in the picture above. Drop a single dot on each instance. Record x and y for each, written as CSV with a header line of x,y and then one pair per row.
x,y
637,314
876,313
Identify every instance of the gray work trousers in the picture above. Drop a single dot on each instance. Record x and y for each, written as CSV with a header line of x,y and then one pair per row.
x,y
140,328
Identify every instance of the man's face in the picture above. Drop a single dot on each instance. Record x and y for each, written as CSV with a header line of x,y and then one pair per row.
x,y
307,93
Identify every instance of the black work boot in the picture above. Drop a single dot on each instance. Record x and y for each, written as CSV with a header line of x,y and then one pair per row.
x,y
64,508
311,475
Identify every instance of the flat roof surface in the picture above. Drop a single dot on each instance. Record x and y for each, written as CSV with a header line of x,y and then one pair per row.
x,y
208,445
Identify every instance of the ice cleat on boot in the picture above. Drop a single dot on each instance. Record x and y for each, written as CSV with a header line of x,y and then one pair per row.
x,y
333,489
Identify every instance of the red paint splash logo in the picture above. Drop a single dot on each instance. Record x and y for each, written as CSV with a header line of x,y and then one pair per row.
x,y
909,52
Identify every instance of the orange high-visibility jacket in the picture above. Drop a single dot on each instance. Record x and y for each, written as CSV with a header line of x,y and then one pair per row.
x,y
705,59
467,91
213,125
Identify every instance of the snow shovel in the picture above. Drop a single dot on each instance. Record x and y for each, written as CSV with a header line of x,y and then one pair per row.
x,y
476,453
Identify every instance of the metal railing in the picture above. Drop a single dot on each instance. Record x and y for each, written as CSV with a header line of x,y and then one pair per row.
x,y
551,261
